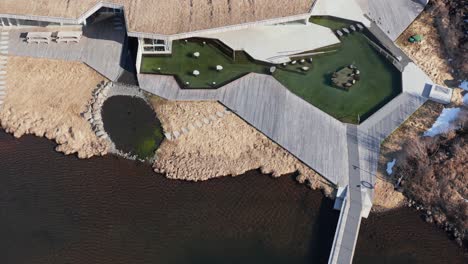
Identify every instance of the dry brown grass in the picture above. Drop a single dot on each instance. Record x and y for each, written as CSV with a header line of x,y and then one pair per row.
x,y
444,51
45,97
171,16
429,55
385,195
228,146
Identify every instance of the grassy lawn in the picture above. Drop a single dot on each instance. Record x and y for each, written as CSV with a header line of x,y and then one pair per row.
x,y
182,63
380,80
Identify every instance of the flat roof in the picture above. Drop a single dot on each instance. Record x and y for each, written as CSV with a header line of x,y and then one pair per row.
x,y
167,17
283,40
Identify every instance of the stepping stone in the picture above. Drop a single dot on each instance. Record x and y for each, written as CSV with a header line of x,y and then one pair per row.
x,y
227,112
198,124
360,26
2,87
4,47
168,136
4,52
2,82
219,114
353,28
2,77
340,34
206,121
3,72
2,62
346,30
176,134
212,117
185,130
191,127
3,42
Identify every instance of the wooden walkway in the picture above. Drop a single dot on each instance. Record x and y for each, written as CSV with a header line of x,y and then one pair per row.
x,y
345,154
100,48
312,136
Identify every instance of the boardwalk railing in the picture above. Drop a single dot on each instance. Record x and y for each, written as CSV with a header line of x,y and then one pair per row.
x,y
387,55
339,228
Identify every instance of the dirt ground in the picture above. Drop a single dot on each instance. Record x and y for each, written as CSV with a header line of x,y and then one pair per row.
x,y
225,147
46,97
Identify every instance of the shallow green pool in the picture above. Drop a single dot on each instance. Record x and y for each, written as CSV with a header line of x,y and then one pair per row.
x,y
132,126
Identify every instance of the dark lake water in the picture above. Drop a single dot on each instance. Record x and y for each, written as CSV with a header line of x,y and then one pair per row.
x,y
58,209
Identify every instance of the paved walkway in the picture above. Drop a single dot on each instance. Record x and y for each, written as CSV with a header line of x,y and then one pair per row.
x,y
100,48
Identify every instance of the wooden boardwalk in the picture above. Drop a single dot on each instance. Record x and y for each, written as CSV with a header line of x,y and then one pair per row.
x,y
312,136
100,48
346,155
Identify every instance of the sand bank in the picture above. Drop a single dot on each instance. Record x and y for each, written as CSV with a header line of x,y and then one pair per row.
x,y
46,98
226,146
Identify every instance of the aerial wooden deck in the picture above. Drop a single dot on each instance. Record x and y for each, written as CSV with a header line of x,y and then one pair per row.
x,y
100,48
314,137
345,154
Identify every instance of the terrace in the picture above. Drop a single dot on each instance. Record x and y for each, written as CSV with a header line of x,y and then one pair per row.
x,y
309,77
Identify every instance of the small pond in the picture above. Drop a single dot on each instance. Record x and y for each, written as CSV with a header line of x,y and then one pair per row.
x,y
132,125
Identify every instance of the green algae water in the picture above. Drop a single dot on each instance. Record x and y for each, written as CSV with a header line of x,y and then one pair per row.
x,y
132,125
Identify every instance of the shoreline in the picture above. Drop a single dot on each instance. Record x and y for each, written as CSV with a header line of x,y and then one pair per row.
x,y
48,102
213,145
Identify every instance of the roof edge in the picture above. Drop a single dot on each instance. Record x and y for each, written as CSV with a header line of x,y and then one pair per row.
x,y
101,4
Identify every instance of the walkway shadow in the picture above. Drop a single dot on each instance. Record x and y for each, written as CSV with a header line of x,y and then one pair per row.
x,y
323,232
